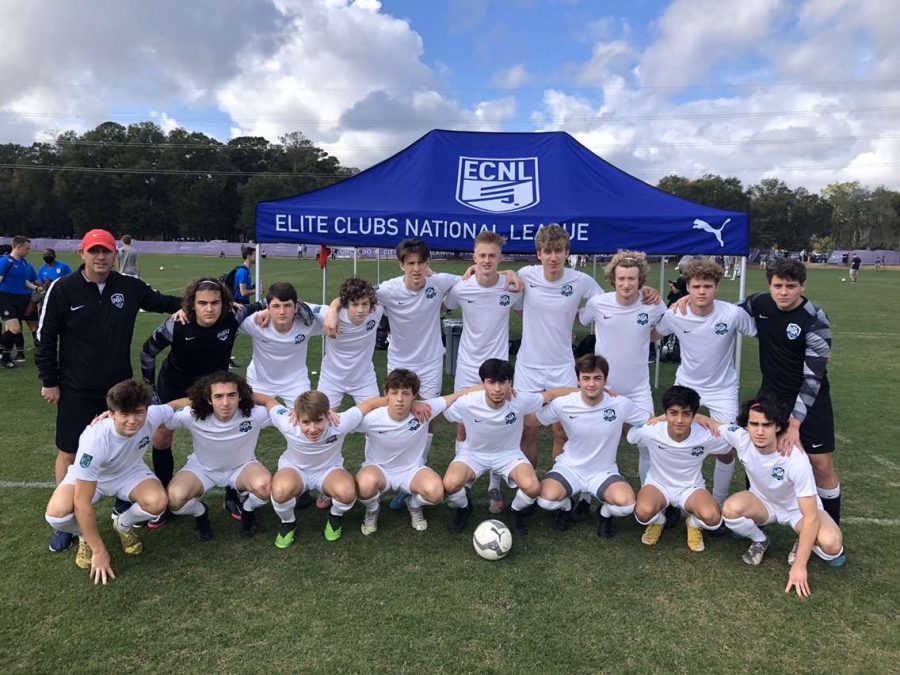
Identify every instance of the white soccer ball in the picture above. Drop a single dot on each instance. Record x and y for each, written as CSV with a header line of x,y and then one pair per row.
x,y
492,540
161,268
843,279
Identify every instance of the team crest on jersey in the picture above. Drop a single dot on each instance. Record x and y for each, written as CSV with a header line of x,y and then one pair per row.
x,y
504,300
281,411
733,427
370,324
721,328
144,442
793,331
86,460
299,338
317,309
566,290
510,418
778,473
413,424
223,334
696,451
430,292
245,427
331,439
118,299
609,415
498,185
643,318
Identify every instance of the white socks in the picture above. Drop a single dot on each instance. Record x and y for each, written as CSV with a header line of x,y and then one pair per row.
x,y
340,508
193,507
694,521
722,476
135,515
371,503
521,501
746,528
611,510
285,510
64,524
252,502
417,502
658,519
550,505
459,499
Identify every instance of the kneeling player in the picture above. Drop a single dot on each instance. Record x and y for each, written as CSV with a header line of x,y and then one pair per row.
x,y
593,423
110,462
493,424
224,426
395,451
782,490
677,450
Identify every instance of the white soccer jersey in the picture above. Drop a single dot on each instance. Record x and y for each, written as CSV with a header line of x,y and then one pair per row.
x,y
105,455
222,446
415,320
493,430
485,314
593,431
707,345
677,463
348,358
623,338
397,445
278,366
314,455
778,480
549,315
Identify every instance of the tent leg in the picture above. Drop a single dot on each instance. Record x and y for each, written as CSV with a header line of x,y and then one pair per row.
x,y
377,266
662,281
594,273
258,273
742,293
354,262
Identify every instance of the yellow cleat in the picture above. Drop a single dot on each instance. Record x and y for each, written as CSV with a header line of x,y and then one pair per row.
x,y
131,543
652,534
695,539
83,555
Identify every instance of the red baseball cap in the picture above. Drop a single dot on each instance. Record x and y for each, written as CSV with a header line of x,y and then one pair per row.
x,y
98,238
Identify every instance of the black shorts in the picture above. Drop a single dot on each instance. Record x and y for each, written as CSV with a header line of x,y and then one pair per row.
x,y
73,413
13,306
169,391
817,429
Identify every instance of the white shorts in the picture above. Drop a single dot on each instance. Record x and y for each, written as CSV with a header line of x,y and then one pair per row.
x,y
211,478
360,391
430,378
466,376
854,273
531,379
312,479
120,486
642,398
582,482
503,463
722,404
287,397
676,495
398,480
781,515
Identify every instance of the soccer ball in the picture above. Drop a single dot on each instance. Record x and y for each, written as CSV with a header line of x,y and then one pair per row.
x,y
161,268
492,540
843,278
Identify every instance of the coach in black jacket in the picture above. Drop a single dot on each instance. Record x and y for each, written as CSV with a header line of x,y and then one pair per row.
x,y
90,315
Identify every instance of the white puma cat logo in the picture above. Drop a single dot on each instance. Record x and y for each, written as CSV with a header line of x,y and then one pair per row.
x,y
706,227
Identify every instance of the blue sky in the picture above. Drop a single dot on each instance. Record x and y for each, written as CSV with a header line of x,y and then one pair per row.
x,y
803,90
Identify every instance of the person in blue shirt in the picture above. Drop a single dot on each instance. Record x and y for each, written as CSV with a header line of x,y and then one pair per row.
x,y
18,280
52,269
243,279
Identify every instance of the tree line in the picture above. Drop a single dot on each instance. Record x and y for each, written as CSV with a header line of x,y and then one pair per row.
x,y
182,184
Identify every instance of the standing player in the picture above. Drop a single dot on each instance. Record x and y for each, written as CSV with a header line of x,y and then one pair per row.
x,y
707,330
593,422
224,425
128,262
493,420
782,490
84,342
677,451
243,278
485,303
794,349
52,269
855,263
110,462
18,280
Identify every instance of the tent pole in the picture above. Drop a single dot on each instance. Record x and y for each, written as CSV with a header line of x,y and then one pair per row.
x,y
741,295
354,261
662,281
377,265
258,273
594,274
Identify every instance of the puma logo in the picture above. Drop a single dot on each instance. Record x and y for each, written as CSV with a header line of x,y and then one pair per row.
x,y
706,227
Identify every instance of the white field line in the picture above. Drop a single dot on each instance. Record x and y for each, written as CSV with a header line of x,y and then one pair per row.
x,y
886,463
24,485
867,335
857,520
841,437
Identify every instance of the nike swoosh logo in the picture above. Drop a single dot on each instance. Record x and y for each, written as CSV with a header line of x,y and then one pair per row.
x,y
604,316
572,417
761,316
532,286
75,308
817,445
470,301
686,332
479,421
190,338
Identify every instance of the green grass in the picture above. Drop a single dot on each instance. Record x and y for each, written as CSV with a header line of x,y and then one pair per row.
x,y
402,601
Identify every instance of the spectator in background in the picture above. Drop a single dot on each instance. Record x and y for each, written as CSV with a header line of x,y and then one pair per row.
x,y
855,262
243,279
52,269
128,262
18,280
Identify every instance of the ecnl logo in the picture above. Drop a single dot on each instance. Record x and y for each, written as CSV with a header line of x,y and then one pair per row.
x,y
498,185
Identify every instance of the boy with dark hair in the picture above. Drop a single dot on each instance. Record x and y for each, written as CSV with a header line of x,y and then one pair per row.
x,y
18,280
109,461
243,279
677,450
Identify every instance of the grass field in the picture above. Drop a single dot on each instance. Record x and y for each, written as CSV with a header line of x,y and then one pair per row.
x,y
403,601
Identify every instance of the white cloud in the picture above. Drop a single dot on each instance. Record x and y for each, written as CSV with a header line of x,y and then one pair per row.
x,y
510,78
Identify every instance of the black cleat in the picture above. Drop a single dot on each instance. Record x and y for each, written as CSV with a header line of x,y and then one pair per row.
x,y
560,520
720,531
202,526
461,517
517,521
160,520
7,363
673,517
20,357
580,513
248,524
304,501
120,506
606,527
232,503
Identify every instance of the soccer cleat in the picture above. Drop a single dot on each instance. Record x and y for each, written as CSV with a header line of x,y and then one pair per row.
x,y
753,556
398,501
518,521
417,517
652,533
286,535
720,531
202,526
83,555
333,527
160,520
7,363
131,543
370,522
248,524
792,556
461,517
232,503
304,500
232,363
606,527
60,541
695,539
560,520
323,502
495,501
840,561
673,515
20,357
580,512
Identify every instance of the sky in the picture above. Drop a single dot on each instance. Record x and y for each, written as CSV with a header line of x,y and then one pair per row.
x,y
807,91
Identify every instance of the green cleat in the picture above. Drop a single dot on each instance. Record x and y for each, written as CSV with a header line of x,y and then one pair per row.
x,y
285,537
333,528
